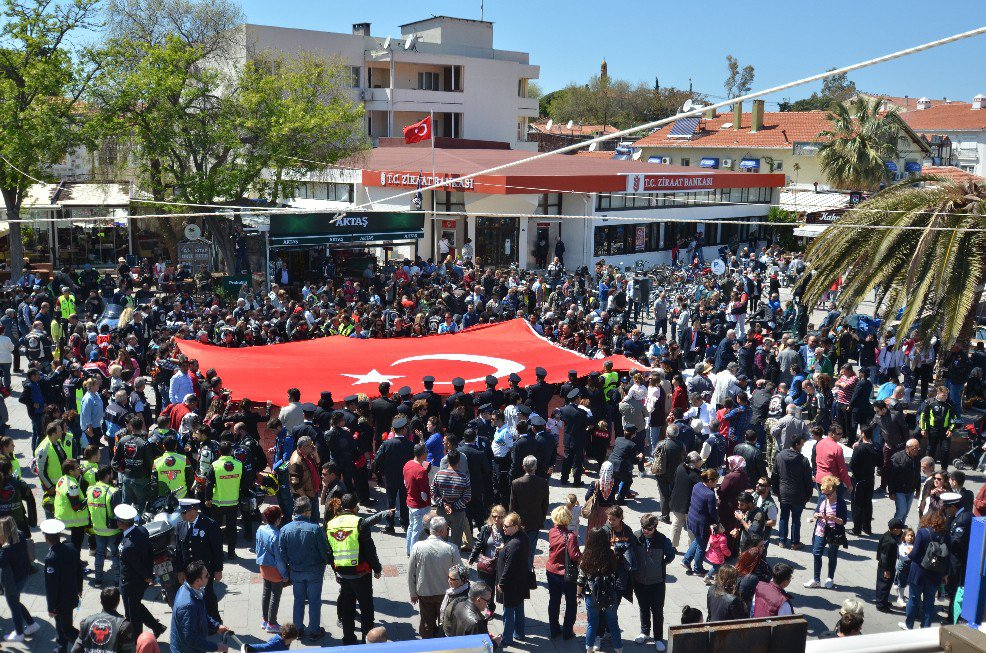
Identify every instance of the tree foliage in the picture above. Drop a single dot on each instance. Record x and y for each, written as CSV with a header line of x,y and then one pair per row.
x,y
204,132
783,235
41,79
738,81
859,143
935,275
608,100
837,88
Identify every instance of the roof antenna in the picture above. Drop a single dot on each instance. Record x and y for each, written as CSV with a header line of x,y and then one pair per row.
x,y
482,10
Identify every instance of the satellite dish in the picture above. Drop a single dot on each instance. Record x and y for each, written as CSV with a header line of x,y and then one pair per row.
x,y
687,106
569,125
386,43
593,146
549,125
192,231
636,154
411,40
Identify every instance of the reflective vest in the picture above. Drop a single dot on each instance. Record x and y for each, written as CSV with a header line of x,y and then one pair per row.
x,y
66,305
89,470
67,489
98,499
67,444
53,464
170,470
343,534
15,466
228,472
610,381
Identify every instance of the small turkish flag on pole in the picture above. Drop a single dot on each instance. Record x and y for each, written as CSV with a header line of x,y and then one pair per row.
x,y
419,131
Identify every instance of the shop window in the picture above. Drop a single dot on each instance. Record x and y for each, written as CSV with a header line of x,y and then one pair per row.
x,y
340,192
450,201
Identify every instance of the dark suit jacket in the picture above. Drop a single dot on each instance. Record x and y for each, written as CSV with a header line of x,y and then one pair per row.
x,y
136,564
479,469
523,447
199,540
529,499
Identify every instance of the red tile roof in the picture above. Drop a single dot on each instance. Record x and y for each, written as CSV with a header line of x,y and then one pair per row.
x,y
576,130
946,117
909,103
951,173
598,154
780,130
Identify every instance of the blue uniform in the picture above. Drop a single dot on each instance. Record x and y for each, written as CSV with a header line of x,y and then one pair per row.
x,y
63,587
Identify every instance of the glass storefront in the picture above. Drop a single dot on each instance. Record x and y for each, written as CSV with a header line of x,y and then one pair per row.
x,y
497,240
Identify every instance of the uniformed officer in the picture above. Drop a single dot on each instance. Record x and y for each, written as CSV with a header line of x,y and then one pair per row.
x,y
391,457
568,386
540,393
70,503
404,400
101,499
322,418
171,470
514,380
937,421
136,570
491,395
483,425
503,442
223,493
63,583
349,412
547,446
575,421
135,459
197,537
433,400
382,409
108,630
457,398
959,529
524,445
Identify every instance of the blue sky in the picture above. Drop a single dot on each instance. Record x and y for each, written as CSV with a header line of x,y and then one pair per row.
x,y
641,39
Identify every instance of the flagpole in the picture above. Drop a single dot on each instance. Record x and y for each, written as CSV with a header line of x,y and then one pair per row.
x,y
431,119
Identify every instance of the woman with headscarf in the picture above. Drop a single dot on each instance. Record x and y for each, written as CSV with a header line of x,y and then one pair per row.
x,y
733,484
605,490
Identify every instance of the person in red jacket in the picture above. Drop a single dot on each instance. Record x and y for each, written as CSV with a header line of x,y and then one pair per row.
x,y
418,488
829,460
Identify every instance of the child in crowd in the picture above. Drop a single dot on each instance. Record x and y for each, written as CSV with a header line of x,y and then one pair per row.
x,y
279,642
599,443
887,552
572,503
717,552
904,564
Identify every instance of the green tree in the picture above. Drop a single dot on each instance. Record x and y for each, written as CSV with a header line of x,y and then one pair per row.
x,y
612,101
41,79
926,265
837,88
204,132
859,143
783,235
738,81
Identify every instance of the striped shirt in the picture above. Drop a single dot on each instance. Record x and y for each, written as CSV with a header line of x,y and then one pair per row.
x,y
451,488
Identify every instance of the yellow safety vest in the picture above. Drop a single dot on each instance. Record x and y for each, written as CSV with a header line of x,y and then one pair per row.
x,y
15,466
89,470
67,444
228,473
53,464
343,534
610,379
98,499
63,504
170,470
66,305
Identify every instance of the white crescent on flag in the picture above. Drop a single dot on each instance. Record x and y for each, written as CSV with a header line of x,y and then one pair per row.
x,y
422,130
502,366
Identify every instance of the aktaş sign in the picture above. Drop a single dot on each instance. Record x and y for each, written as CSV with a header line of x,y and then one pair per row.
x,y
323,228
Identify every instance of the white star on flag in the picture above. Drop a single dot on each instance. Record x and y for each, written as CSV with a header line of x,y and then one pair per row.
x,y
373,376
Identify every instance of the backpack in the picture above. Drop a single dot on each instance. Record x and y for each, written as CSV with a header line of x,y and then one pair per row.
x,y
604,591
660,460
935,557
33,347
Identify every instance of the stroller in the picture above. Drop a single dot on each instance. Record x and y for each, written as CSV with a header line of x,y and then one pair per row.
x,y
975,457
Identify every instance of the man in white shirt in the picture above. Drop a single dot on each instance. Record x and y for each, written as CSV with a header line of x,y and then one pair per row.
x,y
6,358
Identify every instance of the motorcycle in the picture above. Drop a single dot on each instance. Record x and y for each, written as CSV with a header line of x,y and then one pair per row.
x,y
160,519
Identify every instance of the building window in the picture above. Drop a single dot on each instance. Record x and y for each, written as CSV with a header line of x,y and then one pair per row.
x,y
355,76
428,81
340,192
971,169
450,201
549,204
777,166
686,161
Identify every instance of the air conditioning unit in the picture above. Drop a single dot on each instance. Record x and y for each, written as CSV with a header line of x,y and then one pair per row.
x,y
727,163
665,159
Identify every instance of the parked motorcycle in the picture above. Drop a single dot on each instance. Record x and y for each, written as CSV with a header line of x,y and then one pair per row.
x,y
160,519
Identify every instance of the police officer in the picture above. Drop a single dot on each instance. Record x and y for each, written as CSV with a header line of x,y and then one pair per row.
x,y
223,493
70,503
136,570
382,409
540,393
547,446
491,395
429,395
171,470
14,494
480,464
937,421
197,537
340,448
524,445
458,397
63,583
483,425
101,500
390,460
134,458
568,386
349,412
514,380
404,400
959,529
322,417
353,557
575,420
307,426
503,442
107,630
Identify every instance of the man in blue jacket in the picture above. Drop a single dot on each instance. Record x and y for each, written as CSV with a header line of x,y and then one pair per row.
x,y
191,625
305,550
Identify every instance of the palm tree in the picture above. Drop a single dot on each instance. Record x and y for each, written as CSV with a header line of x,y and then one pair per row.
x,y
862,139
923,246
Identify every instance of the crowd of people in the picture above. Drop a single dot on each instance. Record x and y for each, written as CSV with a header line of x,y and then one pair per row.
x,y
747,413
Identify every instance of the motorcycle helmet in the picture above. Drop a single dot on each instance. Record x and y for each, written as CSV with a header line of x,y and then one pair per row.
x,y
267,482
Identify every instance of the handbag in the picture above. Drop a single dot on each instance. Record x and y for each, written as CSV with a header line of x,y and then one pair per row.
x,y
835,535
571,569
486,565
590,505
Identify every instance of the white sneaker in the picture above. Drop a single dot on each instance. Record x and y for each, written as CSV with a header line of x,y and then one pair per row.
x,y
812,583
902,625
829,584
14,636
599,643
31,629
660,646
641,638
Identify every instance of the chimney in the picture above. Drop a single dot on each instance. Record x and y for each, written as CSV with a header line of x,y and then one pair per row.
x,y
757,116
979,102
737,115
361,29
709,114
923,103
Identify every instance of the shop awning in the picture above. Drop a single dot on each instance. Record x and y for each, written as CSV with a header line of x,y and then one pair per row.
x,y
292,229
891,166
810,230
749,164
912,166
709,162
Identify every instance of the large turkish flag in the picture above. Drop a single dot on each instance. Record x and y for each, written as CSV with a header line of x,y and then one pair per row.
x,y
347,366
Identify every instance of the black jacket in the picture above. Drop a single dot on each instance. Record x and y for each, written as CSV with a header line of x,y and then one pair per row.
x,y
105,631
547,452
886,552
726,607
524,446
674,454
466,619
383,411
865,459
685,478
529,499
63,577
341,447
623,456
792,481
905,474
391,457
136,565
574,420
199,540
513,575
480,467
756,466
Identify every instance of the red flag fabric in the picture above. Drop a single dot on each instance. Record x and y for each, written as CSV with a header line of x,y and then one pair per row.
x,y
347,366
419,131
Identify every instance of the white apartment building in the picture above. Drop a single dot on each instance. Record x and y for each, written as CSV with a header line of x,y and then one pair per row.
x,y
443,65
965,125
